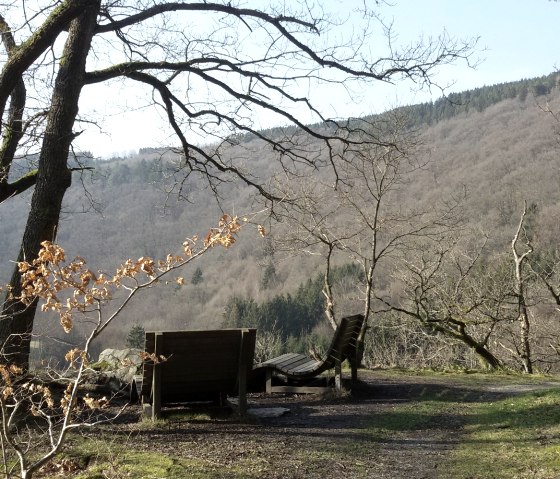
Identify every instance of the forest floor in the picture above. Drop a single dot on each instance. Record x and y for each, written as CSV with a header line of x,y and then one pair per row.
x,y
393,425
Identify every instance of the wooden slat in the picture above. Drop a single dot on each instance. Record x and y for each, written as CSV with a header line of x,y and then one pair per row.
x,y
246,354
147,370
306,367
301,389
290,362
282,358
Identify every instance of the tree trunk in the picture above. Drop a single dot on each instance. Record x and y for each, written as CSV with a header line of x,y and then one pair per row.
x,y
526,356
523,310
53,179
327,291
360,343
485,357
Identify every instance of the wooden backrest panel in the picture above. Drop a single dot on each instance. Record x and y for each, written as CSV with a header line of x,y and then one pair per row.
x,y
345,338
199,361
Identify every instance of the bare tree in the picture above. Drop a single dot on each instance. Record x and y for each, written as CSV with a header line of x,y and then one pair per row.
x,y
312,223
208,83
443,291
358,215
491,302
374,178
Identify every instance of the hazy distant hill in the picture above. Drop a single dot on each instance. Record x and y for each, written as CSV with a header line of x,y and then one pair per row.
x,y
496,143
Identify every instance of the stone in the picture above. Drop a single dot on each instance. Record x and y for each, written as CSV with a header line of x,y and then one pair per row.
x,y
122,364
266,412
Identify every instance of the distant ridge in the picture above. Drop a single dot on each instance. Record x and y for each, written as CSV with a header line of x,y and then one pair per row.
x,y
446,107
479,99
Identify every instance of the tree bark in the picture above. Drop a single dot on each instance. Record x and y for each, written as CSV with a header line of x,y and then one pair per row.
x,y
523,310
53,179
13,130
486,359
327,290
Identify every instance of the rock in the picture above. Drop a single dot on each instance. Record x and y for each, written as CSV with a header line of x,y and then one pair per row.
x,y
268,412
121,364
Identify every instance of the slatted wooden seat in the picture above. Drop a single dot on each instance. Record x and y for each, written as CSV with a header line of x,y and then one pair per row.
x,y
199,366
300,370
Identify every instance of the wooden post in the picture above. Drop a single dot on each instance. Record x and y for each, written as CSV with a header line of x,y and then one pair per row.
x,y
337,374
242,371
354,368
156,378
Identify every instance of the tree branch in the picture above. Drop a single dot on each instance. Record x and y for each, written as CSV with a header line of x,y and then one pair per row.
x,y
202,7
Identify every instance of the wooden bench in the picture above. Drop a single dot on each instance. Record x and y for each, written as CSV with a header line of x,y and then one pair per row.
x,y
301,371
199,366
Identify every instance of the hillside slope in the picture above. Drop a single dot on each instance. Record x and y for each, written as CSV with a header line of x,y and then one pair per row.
x,y
500,156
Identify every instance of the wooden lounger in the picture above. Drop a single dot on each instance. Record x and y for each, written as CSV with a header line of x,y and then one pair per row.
x,y
300,370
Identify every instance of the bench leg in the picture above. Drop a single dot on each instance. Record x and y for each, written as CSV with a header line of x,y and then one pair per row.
x,y
268,381
156,392
146,408
242,402
242,392
354,367
338,376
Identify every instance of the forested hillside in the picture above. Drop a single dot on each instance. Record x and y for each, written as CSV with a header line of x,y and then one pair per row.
x,y
494,147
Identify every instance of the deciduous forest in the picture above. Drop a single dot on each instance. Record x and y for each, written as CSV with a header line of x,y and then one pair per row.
x,y
491,152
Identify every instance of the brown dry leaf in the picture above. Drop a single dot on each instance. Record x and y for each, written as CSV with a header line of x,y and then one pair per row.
x,y
209,240
23,266
227,240
72,355
66,321
94,403
7,392
14,369
61,468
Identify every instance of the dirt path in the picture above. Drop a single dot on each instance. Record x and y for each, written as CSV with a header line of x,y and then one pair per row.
x,y
414,452
370,434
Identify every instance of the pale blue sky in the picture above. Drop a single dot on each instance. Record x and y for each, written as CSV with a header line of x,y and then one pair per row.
x,y
518,39
520,36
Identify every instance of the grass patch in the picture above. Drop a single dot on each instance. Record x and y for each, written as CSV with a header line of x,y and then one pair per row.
x,y
132,464
518,437
429,410
468,377
101,459
150,465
